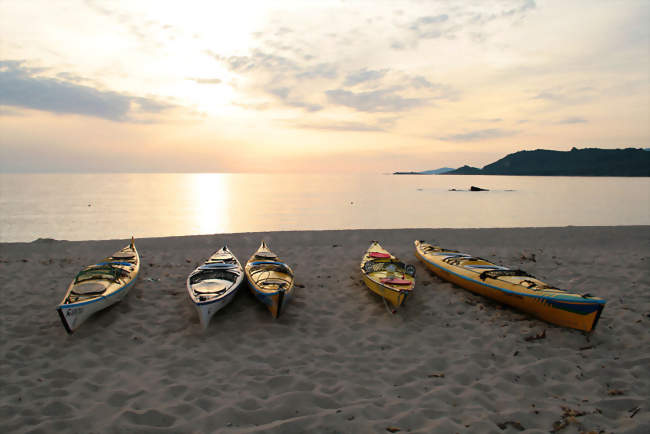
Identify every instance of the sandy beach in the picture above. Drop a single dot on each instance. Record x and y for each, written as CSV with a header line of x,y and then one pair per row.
x,y
336,361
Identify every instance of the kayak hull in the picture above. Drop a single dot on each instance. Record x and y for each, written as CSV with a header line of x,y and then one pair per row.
x,y
207,310
74,314
393,296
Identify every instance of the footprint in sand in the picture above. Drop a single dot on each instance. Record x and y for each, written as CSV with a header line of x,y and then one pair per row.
x,y
149,418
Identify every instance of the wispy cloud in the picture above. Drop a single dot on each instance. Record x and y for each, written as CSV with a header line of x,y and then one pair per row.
x,y
205,80
384,100
8,111
321,70
488,120
21,86
463,18
477,135
572,120
339,126
258,60
566,95
429,27
364,75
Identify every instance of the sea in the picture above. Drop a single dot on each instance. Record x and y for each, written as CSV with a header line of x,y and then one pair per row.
x,y
117,205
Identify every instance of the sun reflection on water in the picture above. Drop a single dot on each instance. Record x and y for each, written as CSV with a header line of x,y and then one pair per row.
x,y
210,199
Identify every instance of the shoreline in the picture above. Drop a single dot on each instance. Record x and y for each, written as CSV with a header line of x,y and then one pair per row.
x,y
227,235
448,361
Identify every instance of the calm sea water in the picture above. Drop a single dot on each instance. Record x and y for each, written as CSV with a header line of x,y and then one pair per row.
x,y
108,206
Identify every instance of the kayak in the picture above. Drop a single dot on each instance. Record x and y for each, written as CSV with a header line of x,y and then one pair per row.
x,y
515,288
386,275
214,284
99,286
270,279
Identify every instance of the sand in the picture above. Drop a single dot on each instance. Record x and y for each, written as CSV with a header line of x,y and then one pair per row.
x,y
336,361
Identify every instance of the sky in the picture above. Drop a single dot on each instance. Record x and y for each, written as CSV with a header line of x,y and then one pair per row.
x,y
316,86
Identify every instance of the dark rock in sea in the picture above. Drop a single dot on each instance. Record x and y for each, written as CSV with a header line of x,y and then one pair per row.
x,y
473,188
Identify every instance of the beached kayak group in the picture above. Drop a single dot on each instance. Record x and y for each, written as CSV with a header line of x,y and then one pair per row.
x,y
215,283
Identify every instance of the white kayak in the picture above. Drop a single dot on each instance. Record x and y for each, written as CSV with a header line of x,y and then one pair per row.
x,y
98,286
214,284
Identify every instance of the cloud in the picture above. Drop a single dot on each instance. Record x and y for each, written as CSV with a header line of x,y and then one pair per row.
x,y
279,75
206,80
283,65
364,75
383,100
470,19
146,32
257,61
521,10
490,120
20,86
572,120
261,62
575,95
476,135
398,45
8,111
340,126
322,70
283,93
429,27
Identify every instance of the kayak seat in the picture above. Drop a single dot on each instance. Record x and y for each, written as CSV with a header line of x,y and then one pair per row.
x,y
395,281
88,288
123,255
494,274
486,267
379,255
456,260
213,274
208,291
279,282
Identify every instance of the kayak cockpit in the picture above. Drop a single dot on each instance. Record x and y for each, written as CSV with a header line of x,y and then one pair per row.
x,y
270,275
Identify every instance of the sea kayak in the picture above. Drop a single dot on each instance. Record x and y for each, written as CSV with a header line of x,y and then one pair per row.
x,y
99,286
512,287
214,284
386,275
270,279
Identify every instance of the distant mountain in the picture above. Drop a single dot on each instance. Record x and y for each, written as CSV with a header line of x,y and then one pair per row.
x,y
427,172
465,170
576,162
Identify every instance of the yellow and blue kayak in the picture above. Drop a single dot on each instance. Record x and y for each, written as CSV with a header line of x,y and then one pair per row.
x,y
512,287
386,275
270,279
